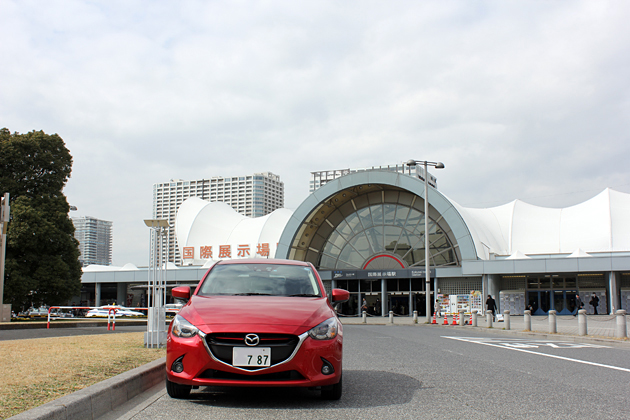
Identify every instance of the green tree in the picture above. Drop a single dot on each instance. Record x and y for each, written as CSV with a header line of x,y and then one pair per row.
x,y
42,257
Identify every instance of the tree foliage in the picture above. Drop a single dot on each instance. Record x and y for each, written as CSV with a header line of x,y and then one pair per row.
x,y
42,258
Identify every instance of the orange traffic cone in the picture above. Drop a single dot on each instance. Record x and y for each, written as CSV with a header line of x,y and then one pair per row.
x,y
445,319
434,321
455,319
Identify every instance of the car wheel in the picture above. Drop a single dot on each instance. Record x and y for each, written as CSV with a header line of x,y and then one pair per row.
x,y
332,392
176,390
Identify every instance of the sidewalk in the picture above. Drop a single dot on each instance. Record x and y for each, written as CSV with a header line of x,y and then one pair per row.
x,y
598,326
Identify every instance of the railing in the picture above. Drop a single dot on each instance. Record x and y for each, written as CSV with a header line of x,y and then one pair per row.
x,y
110,319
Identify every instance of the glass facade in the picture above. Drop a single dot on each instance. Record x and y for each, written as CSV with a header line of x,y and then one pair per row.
x,y
385,228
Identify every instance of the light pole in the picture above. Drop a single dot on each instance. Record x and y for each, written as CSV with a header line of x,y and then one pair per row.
x,y
155,336
5,316
427,265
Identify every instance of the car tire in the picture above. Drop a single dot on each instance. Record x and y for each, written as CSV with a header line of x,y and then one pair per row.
x,y
332,392
176,390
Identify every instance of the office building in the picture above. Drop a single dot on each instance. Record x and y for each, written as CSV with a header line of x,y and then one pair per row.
x,y
251,195
95,240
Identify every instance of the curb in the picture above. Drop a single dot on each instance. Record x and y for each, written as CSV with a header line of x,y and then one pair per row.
x,y
101,398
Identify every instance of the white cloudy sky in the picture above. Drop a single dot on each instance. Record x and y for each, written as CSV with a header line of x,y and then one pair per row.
x,y
520,99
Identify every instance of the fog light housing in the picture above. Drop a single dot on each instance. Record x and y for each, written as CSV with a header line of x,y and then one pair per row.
x,y
327,367
178,365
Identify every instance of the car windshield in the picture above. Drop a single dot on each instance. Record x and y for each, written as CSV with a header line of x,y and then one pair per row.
x,y
261,279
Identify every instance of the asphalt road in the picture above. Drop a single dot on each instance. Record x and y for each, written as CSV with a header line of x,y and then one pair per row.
x,y
416,372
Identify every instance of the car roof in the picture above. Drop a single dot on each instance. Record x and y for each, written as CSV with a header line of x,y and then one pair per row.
x,y
264,261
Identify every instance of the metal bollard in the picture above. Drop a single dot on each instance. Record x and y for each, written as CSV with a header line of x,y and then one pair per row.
x,y
489,319
462,317
582,328
415,317
527,319
364,317
391,317
506,319
552,322
621,331
474,317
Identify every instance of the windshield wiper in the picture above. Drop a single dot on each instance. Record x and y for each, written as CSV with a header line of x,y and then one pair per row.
x,y
304,295
251,294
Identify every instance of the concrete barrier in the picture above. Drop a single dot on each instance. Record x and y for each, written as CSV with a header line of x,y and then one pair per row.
x,y
621,331
101,398
527,320
553,326
582,327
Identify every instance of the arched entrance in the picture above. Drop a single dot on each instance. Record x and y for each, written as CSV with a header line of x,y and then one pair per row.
x,y
371,238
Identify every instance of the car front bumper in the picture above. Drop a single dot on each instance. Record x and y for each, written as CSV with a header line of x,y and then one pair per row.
x,y
303,368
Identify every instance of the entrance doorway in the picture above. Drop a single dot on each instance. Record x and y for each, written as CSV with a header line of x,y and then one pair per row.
x,y
399,304
564,301
539,301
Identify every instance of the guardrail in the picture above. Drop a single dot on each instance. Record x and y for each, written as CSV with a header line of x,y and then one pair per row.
x,y
110,319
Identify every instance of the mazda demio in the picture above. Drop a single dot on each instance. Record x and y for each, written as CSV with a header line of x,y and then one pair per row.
x,y
256,323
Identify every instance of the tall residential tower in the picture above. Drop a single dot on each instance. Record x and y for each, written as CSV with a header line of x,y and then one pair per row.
x,y
251,195
95,240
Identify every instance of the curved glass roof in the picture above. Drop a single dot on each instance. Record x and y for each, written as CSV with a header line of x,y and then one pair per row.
x,y
373,226
385,229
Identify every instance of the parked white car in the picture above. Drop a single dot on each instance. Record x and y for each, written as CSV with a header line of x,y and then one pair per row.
x,y
104,311
173,308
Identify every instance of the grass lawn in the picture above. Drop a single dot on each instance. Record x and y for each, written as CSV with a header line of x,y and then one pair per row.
x,y
40,370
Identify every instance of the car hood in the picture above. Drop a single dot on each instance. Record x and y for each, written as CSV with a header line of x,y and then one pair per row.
x,y
279,314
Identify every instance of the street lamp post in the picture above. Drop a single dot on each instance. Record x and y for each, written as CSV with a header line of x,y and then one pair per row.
x,y
427,265
5,311
155,336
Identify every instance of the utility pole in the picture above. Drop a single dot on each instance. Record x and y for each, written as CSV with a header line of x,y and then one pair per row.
x,y
5,310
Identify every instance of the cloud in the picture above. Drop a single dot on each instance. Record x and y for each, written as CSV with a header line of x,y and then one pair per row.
x,y
522,99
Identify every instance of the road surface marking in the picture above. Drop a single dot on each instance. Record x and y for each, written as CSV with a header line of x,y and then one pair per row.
x,y
494,344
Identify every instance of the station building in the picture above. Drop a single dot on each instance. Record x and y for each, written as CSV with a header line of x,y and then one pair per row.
x,y
364,232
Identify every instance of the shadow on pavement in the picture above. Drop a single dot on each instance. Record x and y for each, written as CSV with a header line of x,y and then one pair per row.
x,y
361,389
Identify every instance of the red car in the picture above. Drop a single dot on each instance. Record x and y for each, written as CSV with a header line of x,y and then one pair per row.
x,y
256,323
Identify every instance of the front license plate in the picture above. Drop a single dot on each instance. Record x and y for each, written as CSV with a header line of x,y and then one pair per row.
x,y
251,356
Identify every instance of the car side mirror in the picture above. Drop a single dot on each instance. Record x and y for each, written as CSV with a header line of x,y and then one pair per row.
x,y
340,295
181,292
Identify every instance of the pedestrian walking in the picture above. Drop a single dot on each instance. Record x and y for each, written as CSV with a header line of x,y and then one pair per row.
x,y
491,305
594,302
578,304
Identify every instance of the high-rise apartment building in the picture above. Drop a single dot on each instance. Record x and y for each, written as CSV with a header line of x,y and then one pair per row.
x,y
95,240
320,178
251,195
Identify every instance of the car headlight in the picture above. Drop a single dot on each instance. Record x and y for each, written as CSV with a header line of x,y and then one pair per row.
x,y
183,328
326,330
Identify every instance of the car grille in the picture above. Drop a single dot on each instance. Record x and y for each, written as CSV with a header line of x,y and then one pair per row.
x,y
289,375
282,346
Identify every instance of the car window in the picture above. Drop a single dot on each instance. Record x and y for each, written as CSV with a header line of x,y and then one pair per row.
x,y
261,279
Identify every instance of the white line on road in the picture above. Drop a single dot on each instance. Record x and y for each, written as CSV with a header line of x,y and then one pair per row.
x,y
542,354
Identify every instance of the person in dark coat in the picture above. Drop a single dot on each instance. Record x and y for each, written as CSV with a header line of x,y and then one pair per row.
x,y
578,304
594,303
491,305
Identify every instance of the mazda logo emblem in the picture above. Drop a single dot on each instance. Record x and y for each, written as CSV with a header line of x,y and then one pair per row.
x,y
252,340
